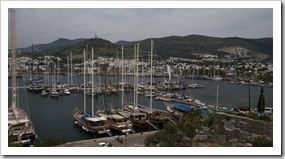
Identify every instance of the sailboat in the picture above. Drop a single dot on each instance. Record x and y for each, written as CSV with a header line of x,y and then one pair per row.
x,y
119,119
217,108
139,119
89,121
34,80
218,77
20,125
154,116
35,83
53,92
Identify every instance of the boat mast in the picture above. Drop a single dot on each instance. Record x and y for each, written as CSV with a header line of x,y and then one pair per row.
x,y
214,69
137,74
31,69
13,45
217,96
84,87
151,52
48,73
92,86
46,69
134,77
122,78
57,70
71,82
67,69
54,79
32,76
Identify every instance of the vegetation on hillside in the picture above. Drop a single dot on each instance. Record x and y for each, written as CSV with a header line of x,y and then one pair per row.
x,y
172,46
184,47
47,141
177,135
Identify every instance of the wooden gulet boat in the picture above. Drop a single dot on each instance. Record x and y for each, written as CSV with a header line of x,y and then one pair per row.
x,y
119,121
154,116
88,121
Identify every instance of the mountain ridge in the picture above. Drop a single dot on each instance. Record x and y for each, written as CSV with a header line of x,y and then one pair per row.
x,y
164,47
184,46
57,43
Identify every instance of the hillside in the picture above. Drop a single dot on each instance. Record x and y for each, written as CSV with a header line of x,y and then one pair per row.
x,y
58,43
178,46
175,46
101,47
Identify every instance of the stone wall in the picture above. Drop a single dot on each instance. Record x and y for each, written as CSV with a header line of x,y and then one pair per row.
x,y
233,130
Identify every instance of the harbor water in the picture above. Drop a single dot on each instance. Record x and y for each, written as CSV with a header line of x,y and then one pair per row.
x,y
53,116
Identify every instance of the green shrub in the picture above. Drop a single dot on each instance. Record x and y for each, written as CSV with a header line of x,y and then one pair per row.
x,y
208,121
262,142
47,141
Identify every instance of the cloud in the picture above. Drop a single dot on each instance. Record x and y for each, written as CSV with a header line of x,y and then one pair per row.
x,y
46,25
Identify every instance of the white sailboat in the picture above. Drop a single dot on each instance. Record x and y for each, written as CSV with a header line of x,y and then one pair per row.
x,y
53,92
19,123
218,77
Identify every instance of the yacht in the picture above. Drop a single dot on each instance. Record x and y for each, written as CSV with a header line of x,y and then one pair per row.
x,y
21,130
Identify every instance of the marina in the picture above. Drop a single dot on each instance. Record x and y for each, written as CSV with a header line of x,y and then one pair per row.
x,y
167,79
60,123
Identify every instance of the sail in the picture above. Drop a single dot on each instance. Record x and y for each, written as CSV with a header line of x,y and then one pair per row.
x,y
169,72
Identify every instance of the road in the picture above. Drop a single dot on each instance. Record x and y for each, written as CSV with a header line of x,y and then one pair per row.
x,y
130,140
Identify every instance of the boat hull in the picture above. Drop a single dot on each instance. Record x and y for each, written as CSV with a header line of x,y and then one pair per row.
x,y
87,126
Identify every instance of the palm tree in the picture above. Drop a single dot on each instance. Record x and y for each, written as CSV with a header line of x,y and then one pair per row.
x,y
190,122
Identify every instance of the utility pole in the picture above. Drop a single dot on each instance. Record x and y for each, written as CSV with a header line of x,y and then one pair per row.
x,y
249,96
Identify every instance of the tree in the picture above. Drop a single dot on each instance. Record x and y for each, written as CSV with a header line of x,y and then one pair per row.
x,y
177,135
190,122
261,102
167,137
208,121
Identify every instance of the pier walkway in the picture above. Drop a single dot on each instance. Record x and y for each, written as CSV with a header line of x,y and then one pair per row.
x,y
131,140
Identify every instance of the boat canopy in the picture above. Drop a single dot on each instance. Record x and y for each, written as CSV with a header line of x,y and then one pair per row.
x,y
203,110
125,113
182,107
84,117
95,119
117,117
138,114
86,113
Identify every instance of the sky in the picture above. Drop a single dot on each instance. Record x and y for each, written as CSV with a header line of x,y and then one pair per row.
x,y
45,25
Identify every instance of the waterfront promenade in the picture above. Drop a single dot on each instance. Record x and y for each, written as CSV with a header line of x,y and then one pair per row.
x,y
130,140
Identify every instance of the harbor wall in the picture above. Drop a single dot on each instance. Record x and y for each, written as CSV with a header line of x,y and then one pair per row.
x,y
232,130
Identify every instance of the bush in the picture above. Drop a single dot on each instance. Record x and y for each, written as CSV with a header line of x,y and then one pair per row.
x,y
47,141
262,142
256,116
208,121
260,117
